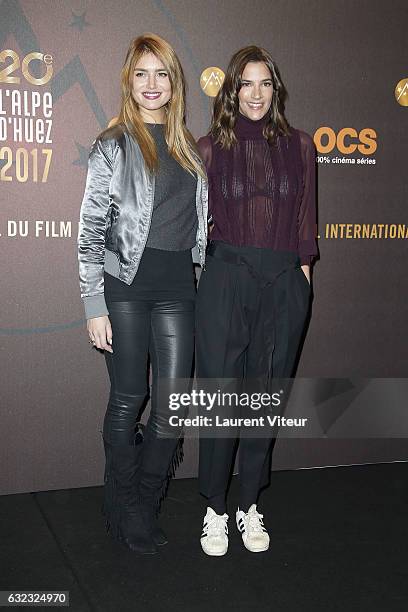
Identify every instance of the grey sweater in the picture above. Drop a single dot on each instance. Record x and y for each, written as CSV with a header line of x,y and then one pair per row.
x,y
174,220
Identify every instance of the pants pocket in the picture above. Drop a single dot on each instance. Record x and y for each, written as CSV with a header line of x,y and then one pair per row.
x,y
303,288
304,281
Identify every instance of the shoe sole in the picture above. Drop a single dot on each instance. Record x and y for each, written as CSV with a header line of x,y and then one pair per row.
x,y
214,554
255,550
124,542
139,551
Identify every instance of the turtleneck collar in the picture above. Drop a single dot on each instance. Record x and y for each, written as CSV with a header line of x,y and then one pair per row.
x,y
248,128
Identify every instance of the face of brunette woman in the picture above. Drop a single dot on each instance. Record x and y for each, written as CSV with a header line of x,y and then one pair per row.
x,y
151,88
255,95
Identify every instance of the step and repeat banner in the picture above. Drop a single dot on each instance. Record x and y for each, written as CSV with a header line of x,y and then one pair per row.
x,y
344,66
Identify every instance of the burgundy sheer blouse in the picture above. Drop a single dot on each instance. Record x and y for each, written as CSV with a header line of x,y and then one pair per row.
x,y
263,195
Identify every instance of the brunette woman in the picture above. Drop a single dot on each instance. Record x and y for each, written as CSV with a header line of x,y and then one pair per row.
x,y
254,297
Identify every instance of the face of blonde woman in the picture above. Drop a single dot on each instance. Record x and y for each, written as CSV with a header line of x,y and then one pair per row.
x,y
255,95
151,88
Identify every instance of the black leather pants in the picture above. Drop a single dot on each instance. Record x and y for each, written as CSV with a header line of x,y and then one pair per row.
x,y
163,329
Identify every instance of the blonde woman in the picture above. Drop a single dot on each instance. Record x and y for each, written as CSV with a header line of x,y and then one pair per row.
x,y
143,215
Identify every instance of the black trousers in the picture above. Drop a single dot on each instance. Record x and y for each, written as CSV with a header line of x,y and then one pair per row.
x,y
251,309
163,329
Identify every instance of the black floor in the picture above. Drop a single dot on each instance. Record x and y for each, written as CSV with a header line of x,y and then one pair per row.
x,y
339,542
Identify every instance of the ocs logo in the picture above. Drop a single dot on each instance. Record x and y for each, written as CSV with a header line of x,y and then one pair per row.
x,y
347,140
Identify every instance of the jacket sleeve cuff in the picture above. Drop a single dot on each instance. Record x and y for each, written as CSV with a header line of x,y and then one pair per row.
x,y
305,260
195,255
95,306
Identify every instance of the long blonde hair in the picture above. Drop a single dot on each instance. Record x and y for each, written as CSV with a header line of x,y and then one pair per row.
x,y
180,142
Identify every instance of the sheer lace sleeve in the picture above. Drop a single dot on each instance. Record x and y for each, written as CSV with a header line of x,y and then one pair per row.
x,y
307,226
204,145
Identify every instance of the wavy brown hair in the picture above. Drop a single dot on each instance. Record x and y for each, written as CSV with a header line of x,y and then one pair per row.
x,y
180,142
226,104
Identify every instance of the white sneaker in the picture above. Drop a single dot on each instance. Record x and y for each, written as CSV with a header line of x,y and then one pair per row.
x,y
214,539
253,532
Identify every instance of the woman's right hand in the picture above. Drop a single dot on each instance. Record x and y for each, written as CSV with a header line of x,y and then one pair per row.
x,y
100,333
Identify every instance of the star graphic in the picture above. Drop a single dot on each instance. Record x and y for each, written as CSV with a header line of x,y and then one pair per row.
x,y
79,21
83,156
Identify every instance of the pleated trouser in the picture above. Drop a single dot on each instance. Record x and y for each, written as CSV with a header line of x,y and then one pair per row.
x,y
251,312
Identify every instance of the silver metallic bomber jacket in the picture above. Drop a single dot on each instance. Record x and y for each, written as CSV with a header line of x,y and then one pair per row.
x,y
116,213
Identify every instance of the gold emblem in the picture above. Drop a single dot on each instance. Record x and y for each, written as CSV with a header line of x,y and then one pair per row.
x,y
401,92
211,80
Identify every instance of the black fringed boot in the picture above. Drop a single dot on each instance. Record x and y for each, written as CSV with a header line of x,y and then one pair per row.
x,y
161,458
122,505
